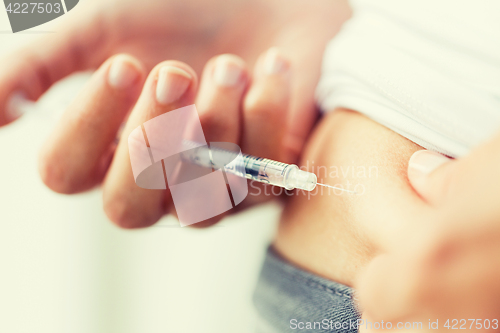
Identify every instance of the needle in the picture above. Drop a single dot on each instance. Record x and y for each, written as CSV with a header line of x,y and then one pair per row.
x,y
338,188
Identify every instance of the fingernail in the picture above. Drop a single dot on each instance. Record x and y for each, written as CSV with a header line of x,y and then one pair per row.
x,y
173,82
228,72
423,162
123,73
274,63
17,105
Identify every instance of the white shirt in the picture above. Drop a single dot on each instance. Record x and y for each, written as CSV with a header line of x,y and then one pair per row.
x,y
427,69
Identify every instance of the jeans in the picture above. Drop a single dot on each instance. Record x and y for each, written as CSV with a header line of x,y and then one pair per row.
x,y
288,299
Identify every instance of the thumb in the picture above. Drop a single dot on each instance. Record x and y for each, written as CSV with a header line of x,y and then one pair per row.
x,y
28,72
430,174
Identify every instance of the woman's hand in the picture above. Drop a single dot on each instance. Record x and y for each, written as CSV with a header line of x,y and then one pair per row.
x,y
232,106
187,30
450,269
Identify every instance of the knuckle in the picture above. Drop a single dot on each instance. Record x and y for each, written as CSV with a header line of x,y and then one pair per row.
x,y
230,58
207,223
264,107
56,176
442,252
124,215
174,63
120,213
214,121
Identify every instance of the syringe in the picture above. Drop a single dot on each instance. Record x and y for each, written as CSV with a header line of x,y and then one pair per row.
x,y
263,170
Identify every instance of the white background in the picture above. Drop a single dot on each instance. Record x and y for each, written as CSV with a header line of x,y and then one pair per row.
x,y
65,268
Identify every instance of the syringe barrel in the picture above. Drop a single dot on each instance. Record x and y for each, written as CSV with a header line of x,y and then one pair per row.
x,y
260,169
266,171
279,174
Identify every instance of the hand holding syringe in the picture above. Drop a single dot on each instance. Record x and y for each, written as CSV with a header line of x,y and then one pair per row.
x,y
82,153
263,170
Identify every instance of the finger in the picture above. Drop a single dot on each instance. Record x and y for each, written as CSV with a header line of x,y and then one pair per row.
x,y
430,174
384,296
265,107
169,86
79,44
220,96
76,155
219,100
476,183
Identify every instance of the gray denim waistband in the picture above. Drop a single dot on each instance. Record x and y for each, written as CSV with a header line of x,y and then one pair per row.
x,y
289,299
